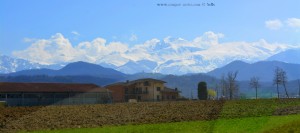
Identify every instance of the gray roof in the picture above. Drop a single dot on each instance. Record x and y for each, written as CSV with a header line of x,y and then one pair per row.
x,y
147,79
166,89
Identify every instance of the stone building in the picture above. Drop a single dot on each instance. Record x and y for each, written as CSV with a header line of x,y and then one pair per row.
x,y
142,90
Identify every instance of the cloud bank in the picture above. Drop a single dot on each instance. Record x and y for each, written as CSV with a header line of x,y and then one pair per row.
x,y
200,54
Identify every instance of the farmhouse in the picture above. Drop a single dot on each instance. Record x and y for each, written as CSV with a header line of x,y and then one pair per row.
x,y
142,90
32,94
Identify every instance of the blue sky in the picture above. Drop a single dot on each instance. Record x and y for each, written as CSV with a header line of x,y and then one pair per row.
x,y
135,21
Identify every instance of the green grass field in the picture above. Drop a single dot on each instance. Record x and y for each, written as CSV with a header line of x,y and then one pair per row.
x,y
237,125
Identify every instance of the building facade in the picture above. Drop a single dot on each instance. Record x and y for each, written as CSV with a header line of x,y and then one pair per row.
x,y
142,90
37,94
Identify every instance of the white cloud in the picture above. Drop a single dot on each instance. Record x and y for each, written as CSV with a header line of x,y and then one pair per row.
x,y
133,37
56,49
75,33
273,24
207,48
59,49
28,40
293,22
208,39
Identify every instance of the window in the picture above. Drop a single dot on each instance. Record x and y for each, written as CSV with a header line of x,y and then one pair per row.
x,y
146,83
146,90
158,88
16,95
2,96
31,95
90,95
173,97
157,97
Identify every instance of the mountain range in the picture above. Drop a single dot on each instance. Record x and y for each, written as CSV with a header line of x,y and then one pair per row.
x,y
288,56
178,56
174,56
9,64
82,72
75,69
264,70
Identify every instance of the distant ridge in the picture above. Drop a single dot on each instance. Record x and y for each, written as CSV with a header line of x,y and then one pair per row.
x,y
75,69
263,69
288,56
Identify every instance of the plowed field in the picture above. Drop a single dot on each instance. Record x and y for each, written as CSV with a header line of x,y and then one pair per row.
x,y
13,119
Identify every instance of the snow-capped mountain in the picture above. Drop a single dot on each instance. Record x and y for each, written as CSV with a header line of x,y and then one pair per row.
x,y
132,67
167,56
178,56
9,64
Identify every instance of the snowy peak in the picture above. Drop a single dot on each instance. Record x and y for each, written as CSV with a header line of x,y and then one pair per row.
x,y
132,67
203,54
168,56
9,64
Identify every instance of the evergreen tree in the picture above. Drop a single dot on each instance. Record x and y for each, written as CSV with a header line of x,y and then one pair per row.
x,y
202,91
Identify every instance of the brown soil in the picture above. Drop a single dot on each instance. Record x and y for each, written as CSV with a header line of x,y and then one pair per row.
x,y
13,119
288,110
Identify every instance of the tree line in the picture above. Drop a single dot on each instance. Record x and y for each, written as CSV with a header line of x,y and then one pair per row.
x,y
228,87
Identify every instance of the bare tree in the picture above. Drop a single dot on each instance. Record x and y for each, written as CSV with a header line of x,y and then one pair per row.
x,y
280,78
277,79
217,89
284,81
254,83
223,87
232,85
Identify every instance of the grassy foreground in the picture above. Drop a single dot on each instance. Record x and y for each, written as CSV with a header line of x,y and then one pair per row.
x,y
288,123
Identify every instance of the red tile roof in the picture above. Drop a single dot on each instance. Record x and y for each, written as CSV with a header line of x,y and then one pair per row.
x,y
49,87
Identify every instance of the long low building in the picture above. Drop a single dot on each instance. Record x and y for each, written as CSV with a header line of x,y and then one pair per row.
x,y
33,94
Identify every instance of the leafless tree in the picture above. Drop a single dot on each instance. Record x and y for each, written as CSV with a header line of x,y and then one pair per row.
x,y
217,89
223,87
284,81
232,85
280,78
277,79
254,83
